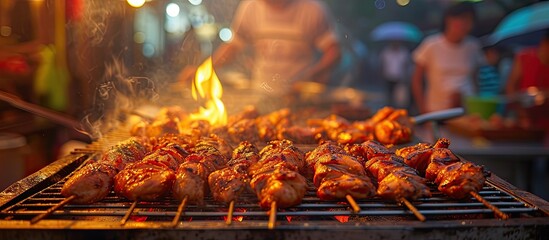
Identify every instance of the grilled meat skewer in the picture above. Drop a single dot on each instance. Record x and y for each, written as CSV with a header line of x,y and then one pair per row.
x,y
228,183
192,175
95,180
338,174
395,179
275,178
454,177
152,177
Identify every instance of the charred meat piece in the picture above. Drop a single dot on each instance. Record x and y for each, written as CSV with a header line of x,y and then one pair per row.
x,y
143,182
440,158
275,177
331,166
400,184
367,150
324,148
458,179
91,183
380,167
283,186
358,186
392,132
126,152
338,174
190,185
286,151
454,177
192,176
152,177
396,179
94,181
228,183
419,155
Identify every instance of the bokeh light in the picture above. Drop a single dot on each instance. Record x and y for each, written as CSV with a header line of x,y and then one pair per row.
x,y
172,10
225,34
403,2
195,2
139,37
136,3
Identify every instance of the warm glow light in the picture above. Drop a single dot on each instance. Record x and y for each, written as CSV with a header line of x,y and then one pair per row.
x,y
172,10
136,3
206,85
403,2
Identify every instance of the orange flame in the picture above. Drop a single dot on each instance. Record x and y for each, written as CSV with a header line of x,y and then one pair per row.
x,y
206,85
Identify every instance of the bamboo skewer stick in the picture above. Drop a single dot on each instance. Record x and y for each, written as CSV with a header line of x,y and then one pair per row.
x,y
52,209
272,216
128,214
352,202
229,220
412,208
180,209
496,210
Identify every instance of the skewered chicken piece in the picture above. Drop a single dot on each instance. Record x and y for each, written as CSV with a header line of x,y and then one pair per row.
x,y
228,183
152,177
192,175
269,125
95,180
417,156
166,122
455,178
338,174
395,179
275,177
311,157
91,183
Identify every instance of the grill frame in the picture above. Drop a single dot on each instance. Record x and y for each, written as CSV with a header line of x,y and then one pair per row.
x,y
529,226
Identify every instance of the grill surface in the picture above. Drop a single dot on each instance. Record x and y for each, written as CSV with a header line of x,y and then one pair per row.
x,y
114,208
314,218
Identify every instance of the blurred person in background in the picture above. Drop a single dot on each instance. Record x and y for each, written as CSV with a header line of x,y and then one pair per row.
x,y
290,41
395,68
489,75
530,74
448,61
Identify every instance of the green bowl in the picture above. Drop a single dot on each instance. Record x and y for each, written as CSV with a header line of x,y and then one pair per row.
x,y
482,106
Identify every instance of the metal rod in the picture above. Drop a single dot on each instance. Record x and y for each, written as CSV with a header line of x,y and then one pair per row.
x,y
272,216
57,117
229,220
180,209
128,213
412,208
52,209
352,202
496,210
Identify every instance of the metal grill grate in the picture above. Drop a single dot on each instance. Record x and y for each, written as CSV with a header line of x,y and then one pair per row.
x,y
113,208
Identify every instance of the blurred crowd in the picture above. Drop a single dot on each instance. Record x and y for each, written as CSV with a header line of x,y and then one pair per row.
x,y
68,65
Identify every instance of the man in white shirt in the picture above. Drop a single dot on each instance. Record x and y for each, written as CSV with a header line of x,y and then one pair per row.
x,y
291,40
448,61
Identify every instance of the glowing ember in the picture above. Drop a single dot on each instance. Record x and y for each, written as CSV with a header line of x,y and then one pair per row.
x,y
342,219
236,218
206,86
140,218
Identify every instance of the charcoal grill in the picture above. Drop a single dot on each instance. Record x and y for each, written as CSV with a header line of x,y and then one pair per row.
x,y
314,218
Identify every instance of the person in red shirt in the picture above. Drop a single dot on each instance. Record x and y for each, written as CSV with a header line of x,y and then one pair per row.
x,y
530,74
